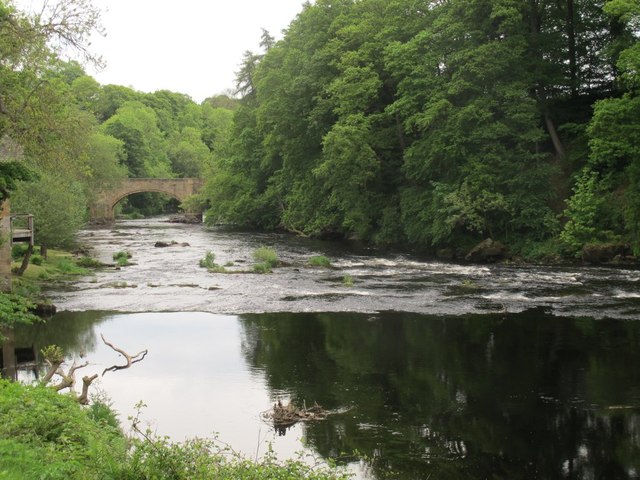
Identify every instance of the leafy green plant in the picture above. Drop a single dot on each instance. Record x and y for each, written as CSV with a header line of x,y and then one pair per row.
x,y
347,280
209,263
122,258
88,262
47,435
320,261
67,266
266,255
15,309
262,268
36,259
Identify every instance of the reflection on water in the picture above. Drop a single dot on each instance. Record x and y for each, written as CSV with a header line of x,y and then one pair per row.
x,y
515,396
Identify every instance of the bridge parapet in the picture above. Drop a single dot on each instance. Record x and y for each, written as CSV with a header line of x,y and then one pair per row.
x,y
101,211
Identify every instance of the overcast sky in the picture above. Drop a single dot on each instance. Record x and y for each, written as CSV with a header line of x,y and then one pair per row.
x,y
189,46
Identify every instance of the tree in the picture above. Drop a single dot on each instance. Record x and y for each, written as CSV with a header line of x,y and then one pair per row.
x,y
136,125
58,204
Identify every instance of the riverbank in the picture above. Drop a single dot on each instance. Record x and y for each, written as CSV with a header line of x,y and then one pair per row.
x,y
47,435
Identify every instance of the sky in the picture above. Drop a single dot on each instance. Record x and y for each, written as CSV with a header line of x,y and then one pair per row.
x,y
189,46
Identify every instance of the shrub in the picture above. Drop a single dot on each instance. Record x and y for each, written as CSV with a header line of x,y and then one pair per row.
x,y
262,268
68,266
320,261
347,280
18,251
122,258
36,259
266,255
209,263
88,262
44,434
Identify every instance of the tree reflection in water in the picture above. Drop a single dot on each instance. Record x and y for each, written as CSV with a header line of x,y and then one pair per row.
x,y
516,396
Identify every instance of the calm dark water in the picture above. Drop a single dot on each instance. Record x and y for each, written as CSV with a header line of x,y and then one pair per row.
x,y
518,396
431,370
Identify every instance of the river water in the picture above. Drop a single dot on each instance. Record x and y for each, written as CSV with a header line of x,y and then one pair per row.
x,y
429,369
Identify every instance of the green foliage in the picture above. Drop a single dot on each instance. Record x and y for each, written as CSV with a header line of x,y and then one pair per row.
x,y
19,250
320,261
88,262
122,258
16,309
582,209
53,353
36,259
262,268
44,434
267,256
68,266
347,280
50,436
210,264
58,205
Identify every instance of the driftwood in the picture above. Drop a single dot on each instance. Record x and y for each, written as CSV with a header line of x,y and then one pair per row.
x,y
55,358
284,416
130,359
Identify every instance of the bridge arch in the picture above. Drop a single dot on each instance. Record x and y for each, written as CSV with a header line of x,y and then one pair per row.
x,y
102,209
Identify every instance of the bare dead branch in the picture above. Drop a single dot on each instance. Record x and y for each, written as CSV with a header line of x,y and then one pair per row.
x,y
83,399
68,379
131,359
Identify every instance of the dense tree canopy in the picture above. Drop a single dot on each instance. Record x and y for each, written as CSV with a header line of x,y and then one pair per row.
x,y
439,123
427,123
60,126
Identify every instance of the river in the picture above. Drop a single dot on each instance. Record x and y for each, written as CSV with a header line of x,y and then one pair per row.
x,y
429,369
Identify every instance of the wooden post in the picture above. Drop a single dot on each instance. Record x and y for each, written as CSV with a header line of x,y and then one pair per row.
x,y
5,247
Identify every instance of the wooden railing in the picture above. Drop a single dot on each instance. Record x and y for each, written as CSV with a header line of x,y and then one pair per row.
x,y
22,228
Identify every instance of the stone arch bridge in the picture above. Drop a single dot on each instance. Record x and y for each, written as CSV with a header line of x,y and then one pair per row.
x,y
101,211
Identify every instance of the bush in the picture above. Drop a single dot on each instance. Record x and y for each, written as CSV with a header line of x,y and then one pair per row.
x,y
18,251
44,434
67,266
122,258
262,268
88,262
36,259
266,255
209,263
347,280
319,261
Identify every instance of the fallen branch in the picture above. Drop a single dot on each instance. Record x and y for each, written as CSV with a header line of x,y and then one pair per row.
x,y
130,359
284,416
68,380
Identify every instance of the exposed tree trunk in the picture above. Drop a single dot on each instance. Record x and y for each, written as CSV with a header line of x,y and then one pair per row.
x,y
83,399
25,260
555,138
44,251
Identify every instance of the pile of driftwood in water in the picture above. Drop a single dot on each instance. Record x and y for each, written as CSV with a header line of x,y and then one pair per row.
x,y
284,416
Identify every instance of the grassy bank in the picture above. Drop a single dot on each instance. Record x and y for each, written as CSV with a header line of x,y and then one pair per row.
x,y
58,265
44,434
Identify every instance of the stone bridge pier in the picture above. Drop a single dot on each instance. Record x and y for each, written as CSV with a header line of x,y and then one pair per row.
x,y
101,210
